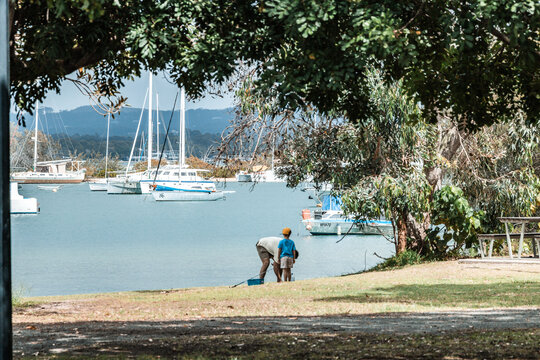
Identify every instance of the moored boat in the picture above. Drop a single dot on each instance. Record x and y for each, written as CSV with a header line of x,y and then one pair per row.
x,y
124,186
20,204
244,176
184,184
186,192
317,193
330,220
171,175
102,184
335,223
98,185
48,172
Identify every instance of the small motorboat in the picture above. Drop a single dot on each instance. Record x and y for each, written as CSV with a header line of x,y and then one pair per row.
x,y
330,220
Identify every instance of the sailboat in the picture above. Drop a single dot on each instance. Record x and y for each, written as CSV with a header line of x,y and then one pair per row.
x,y
188,186
101,184
48,172
130,183
260,173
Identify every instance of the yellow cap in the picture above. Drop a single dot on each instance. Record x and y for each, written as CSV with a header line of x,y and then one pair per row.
x,y
287,231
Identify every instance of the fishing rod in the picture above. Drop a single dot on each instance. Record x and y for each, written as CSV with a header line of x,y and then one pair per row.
x,y
254,277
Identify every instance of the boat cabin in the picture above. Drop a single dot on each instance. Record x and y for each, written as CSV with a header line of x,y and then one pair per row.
x,y
54,167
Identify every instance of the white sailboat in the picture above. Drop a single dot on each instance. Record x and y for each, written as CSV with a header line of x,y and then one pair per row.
x,y
101,184
188,186
48,172
129,184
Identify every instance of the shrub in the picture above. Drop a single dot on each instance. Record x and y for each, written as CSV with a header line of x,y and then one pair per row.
x,y
408,257
456,223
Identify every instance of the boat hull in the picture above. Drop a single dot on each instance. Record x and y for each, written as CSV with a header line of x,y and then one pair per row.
x,y
147,186
187,196
124,187
47,178
97,185
322,227
21,205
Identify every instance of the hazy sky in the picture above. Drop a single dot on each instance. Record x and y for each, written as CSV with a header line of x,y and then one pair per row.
x,y
70,97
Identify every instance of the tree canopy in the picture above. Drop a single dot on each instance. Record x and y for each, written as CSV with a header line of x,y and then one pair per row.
x,y
476,60
420,175
107,42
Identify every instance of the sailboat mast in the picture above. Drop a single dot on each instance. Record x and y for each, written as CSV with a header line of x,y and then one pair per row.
x,y
150,122
182,160
107,146
35,137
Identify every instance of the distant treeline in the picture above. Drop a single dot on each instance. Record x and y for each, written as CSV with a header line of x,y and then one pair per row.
x,y
197,144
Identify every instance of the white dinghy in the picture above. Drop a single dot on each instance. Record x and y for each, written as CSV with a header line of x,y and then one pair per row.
x,y
53,188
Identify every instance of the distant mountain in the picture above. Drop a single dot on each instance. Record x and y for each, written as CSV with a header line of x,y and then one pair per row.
x,y
197,144
85,121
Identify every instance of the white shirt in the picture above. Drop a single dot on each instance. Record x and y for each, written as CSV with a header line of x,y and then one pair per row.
x,y
270,244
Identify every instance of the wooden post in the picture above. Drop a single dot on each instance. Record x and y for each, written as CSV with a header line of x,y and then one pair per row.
x,y
508,240
520,248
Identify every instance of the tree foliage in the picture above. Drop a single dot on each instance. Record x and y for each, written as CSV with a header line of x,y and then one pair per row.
x,y
461,223
395,166
22,149
95,165
477,60
106,42
495,169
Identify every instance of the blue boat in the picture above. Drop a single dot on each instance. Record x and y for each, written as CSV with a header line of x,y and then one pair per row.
x,y
330,220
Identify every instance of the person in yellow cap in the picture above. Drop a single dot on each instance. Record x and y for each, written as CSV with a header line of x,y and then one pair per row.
x,y
287,254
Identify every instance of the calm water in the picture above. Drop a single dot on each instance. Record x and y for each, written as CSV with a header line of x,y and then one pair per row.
x,y
88,242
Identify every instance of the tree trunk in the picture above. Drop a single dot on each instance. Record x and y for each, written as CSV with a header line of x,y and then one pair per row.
x,y
401,243
417,232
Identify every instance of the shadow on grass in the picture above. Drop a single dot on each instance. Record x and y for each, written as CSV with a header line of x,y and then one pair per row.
x,y
449,295
503,334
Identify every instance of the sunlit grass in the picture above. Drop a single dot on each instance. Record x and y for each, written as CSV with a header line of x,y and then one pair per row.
x,y
425,287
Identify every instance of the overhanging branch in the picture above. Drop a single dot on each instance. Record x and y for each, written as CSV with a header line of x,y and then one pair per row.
x,y
506,40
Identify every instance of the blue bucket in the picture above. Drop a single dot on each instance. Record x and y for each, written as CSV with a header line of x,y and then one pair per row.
x,y
255,282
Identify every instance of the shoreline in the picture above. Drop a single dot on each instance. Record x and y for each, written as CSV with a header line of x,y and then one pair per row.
x,y
432,272
380,314
463,262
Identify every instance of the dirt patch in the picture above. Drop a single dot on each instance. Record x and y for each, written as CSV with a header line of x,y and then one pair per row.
x,y
169,338
436,310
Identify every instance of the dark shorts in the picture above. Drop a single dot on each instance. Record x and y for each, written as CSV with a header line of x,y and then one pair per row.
x,y
263,253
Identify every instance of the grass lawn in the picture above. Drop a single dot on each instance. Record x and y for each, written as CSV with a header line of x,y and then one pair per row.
x,y
104,326
427,287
